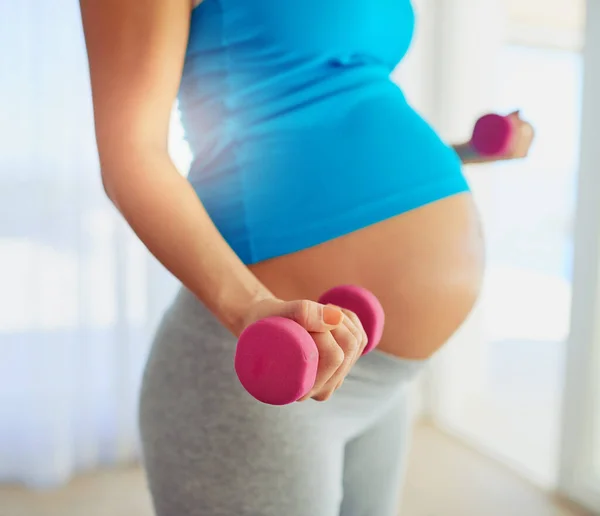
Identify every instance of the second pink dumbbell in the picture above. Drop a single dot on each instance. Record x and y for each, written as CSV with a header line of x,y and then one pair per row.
x,y
276,359
493,135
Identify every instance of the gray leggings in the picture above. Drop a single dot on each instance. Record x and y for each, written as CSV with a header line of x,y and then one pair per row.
x,y
211,450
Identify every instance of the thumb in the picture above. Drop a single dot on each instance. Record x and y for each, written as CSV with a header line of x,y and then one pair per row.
x,y
312,316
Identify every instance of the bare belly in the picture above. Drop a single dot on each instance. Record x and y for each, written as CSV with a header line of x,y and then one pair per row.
x,y
425,266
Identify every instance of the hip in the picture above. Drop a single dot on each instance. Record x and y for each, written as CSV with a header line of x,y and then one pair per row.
x,y
190,370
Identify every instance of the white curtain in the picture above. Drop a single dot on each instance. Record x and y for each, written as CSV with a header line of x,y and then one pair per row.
x,y
79,295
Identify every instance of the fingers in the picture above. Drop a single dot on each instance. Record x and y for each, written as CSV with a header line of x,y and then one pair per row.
x,y
525,135
349,345
355,326
340,339
338,352
331,357
312,316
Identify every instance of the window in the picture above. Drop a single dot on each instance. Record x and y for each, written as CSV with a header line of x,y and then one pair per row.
x,y
500,382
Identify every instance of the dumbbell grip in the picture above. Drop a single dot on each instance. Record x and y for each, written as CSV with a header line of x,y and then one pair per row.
x,y
276,359
493,135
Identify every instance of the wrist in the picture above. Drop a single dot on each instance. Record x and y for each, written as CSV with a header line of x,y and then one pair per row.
x,y
247,311
469,155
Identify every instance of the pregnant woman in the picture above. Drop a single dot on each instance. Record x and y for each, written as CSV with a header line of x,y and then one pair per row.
x,y
310,170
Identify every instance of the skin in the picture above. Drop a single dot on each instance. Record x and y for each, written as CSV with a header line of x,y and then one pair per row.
x,y
427,282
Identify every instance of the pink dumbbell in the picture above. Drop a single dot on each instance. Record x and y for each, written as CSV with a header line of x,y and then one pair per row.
x,y
493,135
276,359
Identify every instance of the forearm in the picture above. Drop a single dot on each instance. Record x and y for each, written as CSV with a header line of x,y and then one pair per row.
x,y
164,211
468,155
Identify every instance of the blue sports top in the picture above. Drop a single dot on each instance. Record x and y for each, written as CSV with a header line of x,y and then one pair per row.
x,y
298,133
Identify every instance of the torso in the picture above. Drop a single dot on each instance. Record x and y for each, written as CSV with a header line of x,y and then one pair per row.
x,y
316,169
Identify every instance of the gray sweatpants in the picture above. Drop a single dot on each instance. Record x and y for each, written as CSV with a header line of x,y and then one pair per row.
x,y
212,450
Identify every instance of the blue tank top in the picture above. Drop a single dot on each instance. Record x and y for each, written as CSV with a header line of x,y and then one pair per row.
x,y
298,133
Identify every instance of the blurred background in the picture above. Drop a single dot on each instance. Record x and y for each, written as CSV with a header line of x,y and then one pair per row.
x,y
507,417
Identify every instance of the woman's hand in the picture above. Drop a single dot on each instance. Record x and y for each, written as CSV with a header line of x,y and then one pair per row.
x,y
521,144
522,140
338,335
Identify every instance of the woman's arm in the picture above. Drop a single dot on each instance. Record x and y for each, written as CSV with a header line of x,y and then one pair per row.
x,y
136,51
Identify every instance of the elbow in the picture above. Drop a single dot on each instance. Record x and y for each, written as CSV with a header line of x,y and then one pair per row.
x,y
112,155
116,164
114,172
107,175
123,170
105,183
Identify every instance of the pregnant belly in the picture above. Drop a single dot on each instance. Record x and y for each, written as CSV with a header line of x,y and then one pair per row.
x,y
425,266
